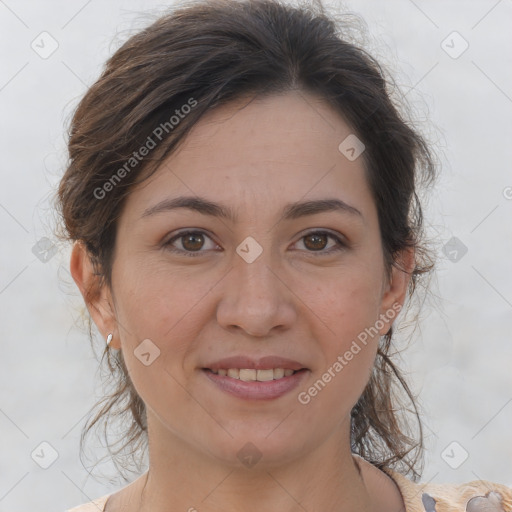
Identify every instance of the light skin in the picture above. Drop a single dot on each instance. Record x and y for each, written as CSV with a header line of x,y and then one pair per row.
x,y
297,300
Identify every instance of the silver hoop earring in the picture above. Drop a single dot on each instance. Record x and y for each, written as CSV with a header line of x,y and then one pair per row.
x,y
109,339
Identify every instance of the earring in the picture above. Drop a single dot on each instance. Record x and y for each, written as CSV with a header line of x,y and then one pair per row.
x,y
109,339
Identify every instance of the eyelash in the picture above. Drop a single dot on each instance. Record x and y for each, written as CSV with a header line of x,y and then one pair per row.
x,y
339,244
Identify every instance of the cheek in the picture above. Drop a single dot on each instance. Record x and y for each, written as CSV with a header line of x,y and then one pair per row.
x,y
155,301
155,311
346,303
161,305
347,308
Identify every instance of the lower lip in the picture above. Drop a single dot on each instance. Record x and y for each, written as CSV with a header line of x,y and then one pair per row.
x,y
256,390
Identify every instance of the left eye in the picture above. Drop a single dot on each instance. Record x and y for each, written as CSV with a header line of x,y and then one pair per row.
x,y
317,241
193,241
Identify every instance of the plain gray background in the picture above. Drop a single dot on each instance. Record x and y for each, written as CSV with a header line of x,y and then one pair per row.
x,y
460,359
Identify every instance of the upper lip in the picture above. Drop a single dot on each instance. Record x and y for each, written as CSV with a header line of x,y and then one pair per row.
x,y
262,363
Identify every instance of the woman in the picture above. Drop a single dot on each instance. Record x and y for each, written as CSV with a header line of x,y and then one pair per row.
x,y
242,198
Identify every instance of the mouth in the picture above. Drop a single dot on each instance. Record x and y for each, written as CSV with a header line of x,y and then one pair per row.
x,y
252,384
253,375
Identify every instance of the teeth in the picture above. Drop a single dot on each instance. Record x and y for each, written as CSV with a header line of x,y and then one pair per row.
x,y
248,375
279,373
251,375
262,375
234,373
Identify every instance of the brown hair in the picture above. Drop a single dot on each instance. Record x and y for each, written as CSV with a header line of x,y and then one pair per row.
x,y
213,52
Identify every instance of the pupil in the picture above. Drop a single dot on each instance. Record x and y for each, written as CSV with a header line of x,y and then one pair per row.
x,y
320,238
190,238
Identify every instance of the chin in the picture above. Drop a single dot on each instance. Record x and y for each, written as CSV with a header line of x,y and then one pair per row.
x,y
256,449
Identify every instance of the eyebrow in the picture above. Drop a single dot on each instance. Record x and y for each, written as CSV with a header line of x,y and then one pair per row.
x,y
290,211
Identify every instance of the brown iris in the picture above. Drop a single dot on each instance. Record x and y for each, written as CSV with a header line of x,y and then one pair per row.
x,y
318,241
192,241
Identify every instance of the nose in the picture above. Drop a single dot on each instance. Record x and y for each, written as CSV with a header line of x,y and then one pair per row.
x,y
256,298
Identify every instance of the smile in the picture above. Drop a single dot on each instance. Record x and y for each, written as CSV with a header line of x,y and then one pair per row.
x,y
250,375
251,384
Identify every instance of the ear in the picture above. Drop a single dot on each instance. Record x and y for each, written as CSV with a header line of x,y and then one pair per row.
x,y
96,294
395,289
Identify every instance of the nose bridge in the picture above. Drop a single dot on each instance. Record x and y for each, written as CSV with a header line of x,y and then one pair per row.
x,y
254,277
254,299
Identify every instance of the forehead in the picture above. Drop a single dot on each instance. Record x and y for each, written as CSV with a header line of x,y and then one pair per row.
x,y
254,153
261,129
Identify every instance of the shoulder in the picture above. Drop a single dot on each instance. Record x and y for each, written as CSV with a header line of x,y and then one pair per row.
x,y
473,496
97,505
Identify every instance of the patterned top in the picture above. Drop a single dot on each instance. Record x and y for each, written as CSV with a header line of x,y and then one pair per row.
x,y
474,496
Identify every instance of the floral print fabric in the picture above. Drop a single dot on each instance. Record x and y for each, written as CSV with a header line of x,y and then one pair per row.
x,y
474,496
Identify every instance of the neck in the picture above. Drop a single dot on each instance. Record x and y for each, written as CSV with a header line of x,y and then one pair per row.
x,y
326,478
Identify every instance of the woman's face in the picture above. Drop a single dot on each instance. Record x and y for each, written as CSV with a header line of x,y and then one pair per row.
x,y
268,279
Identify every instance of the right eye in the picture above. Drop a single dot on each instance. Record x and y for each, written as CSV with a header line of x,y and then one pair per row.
x,y
191,242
